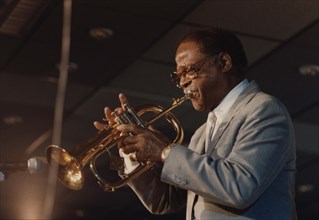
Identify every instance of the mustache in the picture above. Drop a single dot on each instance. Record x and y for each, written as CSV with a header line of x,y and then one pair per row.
x,y
190,90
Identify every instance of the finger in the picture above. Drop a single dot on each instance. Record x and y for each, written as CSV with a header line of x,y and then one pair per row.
x,y
108,114
120,143
118,111
116,114
130,128
99,125
129,148
123,100
140,156
129,144
125,140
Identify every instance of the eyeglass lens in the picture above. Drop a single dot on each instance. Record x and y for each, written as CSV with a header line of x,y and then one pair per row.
x,y
190,73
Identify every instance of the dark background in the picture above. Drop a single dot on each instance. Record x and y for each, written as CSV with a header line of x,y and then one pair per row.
x,y
278,36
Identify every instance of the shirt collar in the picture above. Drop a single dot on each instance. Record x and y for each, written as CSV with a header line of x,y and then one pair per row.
x,y
222,109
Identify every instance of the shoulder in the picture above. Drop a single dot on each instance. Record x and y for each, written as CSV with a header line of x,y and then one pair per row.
x,y
253,98
264,102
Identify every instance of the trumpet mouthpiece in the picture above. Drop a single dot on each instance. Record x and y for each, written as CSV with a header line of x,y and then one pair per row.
x,y
189,94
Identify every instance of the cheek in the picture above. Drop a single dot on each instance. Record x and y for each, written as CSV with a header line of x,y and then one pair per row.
x,y
206,88
201,101
207,93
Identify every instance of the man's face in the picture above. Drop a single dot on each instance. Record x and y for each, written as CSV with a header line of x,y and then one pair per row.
x,y
209,85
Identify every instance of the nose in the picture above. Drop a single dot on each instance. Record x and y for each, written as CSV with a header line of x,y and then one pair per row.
x,y
184,82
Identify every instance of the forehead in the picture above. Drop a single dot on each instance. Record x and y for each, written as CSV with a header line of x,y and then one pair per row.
x,y
187,53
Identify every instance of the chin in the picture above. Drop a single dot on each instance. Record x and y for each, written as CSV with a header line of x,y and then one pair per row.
x,y
198,107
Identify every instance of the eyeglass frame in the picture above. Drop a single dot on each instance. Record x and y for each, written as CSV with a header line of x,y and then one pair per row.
x,y
194,68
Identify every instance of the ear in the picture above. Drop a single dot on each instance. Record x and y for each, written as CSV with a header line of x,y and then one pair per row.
x,y
225,62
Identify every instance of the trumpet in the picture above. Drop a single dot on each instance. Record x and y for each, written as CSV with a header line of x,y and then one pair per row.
x,y
70,164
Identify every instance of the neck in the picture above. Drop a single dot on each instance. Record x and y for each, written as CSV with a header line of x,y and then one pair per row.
x,y
231,82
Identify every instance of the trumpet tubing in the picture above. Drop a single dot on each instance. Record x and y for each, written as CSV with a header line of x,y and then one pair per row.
x,y
71,163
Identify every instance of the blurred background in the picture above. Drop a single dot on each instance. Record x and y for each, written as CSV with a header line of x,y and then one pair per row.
x,y
129,46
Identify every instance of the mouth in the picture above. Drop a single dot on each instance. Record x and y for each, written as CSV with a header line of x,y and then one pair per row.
x,y
191,92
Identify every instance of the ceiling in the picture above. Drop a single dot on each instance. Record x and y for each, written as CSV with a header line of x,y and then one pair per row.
x,y
278,36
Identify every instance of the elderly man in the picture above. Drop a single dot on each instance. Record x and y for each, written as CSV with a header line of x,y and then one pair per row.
x,y
238,165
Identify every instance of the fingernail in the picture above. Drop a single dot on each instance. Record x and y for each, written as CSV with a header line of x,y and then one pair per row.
x,y
121,127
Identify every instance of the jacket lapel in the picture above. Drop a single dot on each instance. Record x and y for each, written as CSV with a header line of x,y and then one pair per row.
x,y
241,100
197,142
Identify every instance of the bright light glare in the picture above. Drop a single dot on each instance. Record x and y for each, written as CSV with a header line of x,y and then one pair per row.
x,y
74,176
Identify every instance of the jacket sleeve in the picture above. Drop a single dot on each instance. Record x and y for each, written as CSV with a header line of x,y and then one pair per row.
x,y
158,197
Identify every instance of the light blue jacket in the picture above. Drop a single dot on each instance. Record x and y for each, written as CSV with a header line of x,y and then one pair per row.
x,y
248,171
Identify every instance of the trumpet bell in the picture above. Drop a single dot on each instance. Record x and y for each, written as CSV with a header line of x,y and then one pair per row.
x,y
69,169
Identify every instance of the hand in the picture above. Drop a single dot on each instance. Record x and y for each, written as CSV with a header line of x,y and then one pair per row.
x,y
109,118
148,144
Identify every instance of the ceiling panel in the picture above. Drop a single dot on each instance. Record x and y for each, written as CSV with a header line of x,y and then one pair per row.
x,y
8,48
307,142
147,77
309,115
272,18
309,37
165,9
39,91
164,49
88,53
278,75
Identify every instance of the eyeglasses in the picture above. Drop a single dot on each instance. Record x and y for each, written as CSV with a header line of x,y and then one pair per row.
x,y
191,72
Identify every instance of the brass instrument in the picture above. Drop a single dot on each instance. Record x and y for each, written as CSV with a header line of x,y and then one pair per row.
x,y
70,164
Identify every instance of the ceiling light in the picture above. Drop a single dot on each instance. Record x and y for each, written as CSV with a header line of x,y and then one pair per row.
x,y
12,120
309,70
306,188
79,213
100,33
